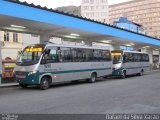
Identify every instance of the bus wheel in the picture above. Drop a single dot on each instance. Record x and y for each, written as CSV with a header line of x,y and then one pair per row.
x,y
92,78
44,85
123,76
23,85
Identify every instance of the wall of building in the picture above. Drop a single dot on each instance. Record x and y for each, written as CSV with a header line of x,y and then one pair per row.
x,y
95,9
10,48
124,23
29,39
144,12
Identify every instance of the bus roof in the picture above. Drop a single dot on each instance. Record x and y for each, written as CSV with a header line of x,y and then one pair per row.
x,y
63,45
128,51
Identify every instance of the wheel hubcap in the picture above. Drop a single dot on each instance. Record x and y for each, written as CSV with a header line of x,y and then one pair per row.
x,y
93,78
45,83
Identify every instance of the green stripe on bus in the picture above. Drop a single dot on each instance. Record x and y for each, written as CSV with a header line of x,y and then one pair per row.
x,y
82,70
137,67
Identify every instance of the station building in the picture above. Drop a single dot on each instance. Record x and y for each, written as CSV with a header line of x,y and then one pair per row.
x,y
67,28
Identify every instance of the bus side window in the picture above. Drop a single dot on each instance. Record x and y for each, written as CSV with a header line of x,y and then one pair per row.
x,y
89,55
134,57
50,55
64,54
106,55
145,58
138,57
130,57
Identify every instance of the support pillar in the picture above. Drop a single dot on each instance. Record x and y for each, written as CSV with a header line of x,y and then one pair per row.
x,y
159,59
0,62
150,52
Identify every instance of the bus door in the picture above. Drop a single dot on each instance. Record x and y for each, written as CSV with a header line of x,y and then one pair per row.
x,y
145,64
128,63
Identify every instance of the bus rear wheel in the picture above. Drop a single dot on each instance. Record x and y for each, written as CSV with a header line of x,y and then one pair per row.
x,y
92,78
23,85
44,85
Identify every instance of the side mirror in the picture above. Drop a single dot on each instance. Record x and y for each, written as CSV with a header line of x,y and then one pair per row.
x,y
19,52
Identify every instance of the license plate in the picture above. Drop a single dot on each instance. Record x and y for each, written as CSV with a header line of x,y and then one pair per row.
x,y
20,76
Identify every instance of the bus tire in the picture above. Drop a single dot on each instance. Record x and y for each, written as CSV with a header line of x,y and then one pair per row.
x,y
123,76
44,84
23,85
92,78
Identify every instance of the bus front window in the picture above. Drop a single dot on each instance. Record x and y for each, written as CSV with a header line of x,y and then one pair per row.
x,y
30,56
117,58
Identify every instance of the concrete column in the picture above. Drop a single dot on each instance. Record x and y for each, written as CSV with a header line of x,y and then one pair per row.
x,y
150,52
0,62
159,59
44,38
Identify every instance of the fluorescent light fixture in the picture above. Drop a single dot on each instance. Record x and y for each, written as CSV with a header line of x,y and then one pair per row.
x,y
17,26
146,47
15,29
106,41
129,44
82,42
73,34
69,36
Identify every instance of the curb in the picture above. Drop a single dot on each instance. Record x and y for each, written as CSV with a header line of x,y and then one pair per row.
x,y
8,85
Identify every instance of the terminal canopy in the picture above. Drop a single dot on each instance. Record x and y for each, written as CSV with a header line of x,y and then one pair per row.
x,y
28,18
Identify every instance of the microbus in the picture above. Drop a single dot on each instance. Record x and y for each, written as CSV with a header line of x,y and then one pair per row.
x,y
45,64
129,63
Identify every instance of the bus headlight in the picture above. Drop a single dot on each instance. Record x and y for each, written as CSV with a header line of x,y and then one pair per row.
x,y
32,72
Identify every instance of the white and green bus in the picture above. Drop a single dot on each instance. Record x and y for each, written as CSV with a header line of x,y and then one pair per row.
x,y
129,63
45,64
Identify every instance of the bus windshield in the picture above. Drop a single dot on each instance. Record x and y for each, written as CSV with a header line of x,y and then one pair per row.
x,y
30,55
117,57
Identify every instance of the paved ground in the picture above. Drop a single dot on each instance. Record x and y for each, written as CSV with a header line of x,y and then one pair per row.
x,y
131,95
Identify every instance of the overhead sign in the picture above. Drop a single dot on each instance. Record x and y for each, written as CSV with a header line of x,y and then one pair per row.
x,y
33,49
116,54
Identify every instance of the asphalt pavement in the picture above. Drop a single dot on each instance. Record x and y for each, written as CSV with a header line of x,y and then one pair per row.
x,y
135,94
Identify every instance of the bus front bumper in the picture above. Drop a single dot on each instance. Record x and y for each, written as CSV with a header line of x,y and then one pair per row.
x,y
27,78
117,72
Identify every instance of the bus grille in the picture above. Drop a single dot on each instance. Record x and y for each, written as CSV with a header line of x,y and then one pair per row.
x,y
21,73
